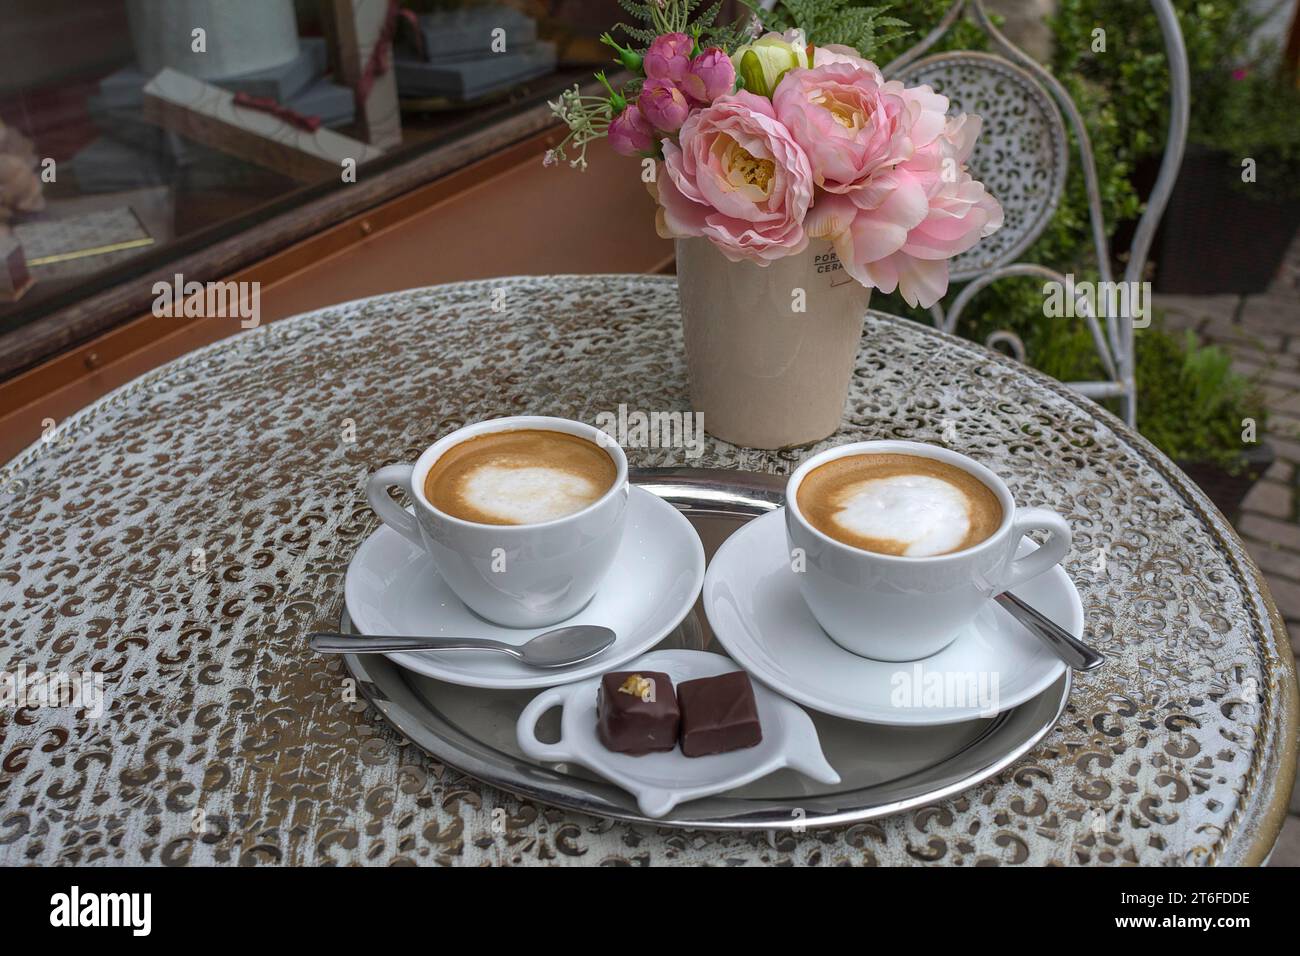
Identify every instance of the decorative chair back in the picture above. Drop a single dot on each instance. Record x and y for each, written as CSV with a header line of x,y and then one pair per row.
x,y
1023,158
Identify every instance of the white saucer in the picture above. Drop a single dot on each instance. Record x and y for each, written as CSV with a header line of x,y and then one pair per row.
x,y
757,613
660,781
392,588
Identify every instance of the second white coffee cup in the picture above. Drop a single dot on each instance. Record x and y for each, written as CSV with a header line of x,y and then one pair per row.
x,y
528,575
896,608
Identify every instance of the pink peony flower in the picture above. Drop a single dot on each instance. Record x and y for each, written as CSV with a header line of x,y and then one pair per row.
x,y
711,75
663,105
961,211
872,225
737,178
630,133
837,53
900,230
852,124
669,57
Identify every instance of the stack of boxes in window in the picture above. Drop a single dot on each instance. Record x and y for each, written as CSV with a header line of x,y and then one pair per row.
x,y
134,152
471,54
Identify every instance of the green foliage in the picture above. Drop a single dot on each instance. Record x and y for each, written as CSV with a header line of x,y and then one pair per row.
x,y
1192,404
825,22
653,18
1243,103
642,30
1132,73
923,15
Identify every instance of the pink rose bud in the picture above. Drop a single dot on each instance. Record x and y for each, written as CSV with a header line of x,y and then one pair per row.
x,y
669,57
630,134
711,74
664,105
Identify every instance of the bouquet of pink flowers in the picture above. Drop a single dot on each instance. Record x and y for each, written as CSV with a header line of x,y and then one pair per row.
x,y
777,141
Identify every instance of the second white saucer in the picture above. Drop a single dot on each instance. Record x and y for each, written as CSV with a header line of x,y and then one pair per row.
x,y
754,606
392,588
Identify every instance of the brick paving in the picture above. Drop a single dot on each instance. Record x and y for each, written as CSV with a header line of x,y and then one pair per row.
x,y
1262,333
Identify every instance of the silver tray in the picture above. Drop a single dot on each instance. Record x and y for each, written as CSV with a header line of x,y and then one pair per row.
x,y
884,770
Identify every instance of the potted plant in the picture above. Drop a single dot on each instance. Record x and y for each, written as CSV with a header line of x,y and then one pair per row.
x,y
1236,205
795,181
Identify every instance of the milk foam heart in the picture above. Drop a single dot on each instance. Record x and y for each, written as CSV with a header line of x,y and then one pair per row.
x,y
519,477
927,515
527,495
905,505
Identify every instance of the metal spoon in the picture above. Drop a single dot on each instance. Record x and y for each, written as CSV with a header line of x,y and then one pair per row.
x,y
557,648
1068,648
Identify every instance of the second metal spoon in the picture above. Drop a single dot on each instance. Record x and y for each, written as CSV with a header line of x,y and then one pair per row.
x,y
1068,648
557,648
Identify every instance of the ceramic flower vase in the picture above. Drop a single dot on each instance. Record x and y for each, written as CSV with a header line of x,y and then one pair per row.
x,y
770,350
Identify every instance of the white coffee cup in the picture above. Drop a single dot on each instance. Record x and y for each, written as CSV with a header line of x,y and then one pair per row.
x,y
527,575
895,608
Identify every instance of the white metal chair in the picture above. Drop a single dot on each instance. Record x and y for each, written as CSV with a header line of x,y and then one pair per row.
x,y
1023,158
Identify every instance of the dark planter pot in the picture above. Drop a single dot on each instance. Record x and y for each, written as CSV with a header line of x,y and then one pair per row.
x,y
1217,239
1228,490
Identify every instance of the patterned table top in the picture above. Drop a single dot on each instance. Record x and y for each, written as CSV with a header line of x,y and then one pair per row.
x,y
180,537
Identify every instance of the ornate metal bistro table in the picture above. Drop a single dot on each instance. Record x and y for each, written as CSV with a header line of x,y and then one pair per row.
x,y
181,536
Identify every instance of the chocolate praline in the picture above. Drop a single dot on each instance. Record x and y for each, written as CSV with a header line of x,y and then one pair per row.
x,y
719,714
631,724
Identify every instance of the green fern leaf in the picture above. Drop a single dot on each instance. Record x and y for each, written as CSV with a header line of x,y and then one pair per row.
x,y
865,27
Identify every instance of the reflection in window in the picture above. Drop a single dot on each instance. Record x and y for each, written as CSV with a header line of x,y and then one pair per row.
x,y
136,130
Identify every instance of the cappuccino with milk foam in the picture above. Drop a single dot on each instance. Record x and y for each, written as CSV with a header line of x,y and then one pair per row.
x,y
899,504
526,476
